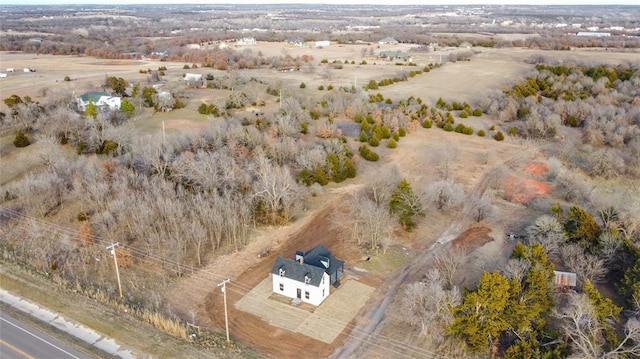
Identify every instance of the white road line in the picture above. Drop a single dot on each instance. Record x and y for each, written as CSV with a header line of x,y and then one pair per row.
x,y
39,338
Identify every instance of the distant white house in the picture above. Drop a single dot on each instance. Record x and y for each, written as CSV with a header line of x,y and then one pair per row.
x,y
28,69
2,75
192,77
247,41
102,100
223,45
308,277
296,42
323,43
388,41
593,34
10,69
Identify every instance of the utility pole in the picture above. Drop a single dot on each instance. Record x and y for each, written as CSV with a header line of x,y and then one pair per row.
x,y
112,248
224,294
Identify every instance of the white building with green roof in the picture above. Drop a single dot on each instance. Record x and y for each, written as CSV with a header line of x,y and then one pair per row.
x,y
101,100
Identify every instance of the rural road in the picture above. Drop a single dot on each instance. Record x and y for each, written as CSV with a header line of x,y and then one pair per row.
x,y
19,341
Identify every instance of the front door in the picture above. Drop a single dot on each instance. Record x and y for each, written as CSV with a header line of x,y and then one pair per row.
x,y
299,293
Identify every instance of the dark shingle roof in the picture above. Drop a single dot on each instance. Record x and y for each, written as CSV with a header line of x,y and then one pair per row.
x,y
319,254
317,261
297,271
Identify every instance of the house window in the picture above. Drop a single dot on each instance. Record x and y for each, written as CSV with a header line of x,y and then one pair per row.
x,y
306,295
323,292
282,287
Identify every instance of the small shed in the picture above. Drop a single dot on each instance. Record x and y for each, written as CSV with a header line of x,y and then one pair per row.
x,y
565,279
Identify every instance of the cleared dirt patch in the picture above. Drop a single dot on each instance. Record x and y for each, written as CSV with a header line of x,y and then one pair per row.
x,y
324,323
472,238
523,190
536,168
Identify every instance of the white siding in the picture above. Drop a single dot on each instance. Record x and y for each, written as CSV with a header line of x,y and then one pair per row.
x,y
290,289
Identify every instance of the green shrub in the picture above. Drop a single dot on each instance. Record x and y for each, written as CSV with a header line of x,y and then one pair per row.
x,y
448,127
67,78
320,87
314,114
513,131
108,147
464,114
481,133
363,137
402,131
492,128
460,128
368,154
81,147
304,128
374,141
392,143
186,67
477,112
572,121
21,140
498,136
302,85
363,62
468,131
330,87
324,61
388,101
396,137
427,123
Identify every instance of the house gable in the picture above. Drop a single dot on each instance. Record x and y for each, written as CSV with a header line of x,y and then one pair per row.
x,y
300,272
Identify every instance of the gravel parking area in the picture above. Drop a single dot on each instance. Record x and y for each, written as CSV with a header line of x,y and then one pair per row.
x,y
325,323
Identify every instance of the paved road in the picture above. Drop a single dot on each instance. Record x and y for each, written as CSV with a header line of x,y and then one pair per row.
x,y
21,341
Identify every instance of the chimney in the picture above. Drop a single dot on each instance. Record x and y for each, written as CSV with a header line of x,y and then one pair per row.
x,y
301,260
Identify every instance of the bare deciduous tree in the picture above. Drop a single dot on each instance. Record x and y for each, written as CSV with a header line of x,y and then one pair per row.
x,y
427,304
366,222
548,232
585,265
444,194
382,185
449,261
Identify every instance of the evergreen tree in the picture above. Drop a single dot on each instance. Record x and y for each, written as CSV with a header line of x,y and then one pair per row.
x,y
21,140
91,110
127,108
480,318
406,205
582,227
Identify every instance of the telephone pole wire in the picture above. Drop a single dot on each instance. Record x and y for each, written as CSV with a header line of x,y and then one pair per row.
x,y
224,295
112,248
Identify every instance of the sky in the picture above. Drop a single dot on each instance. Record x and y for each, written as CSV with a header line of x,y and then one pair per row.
x,y
382,2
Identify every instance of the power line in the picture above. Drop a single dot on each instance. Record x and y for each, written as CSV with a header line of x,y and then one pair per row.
x,y
241,290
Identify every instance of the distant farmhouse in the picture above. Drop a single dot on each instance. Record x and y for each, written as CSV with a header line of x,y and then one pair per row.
x,y
323,43
296,42
388,41
593,34
395,55
308,277
101,100
247,41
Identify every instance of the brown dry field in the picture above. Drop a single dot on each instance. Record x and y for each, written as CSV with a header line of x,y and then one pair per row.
x,y
491,69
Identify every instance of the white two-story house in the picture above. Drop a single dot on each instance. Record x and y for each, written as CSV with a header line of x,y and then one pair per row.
x,y
308,277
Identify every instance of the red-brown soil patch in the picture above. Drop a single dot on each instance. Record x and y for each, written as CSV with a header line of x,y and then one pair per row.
x,y
523,190
472,238
536,168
